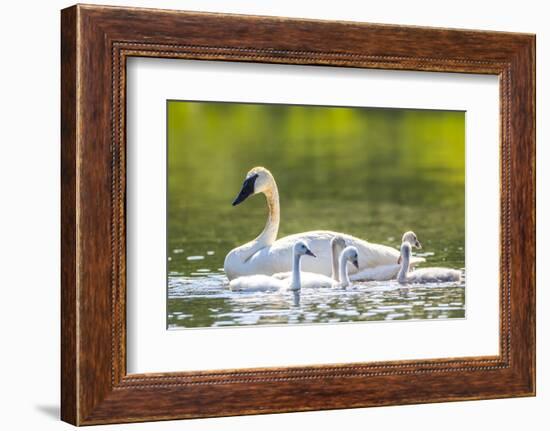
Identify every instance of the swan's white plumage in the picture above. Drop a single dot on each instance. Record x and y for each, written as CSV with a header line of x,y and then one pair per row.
x,y
266,255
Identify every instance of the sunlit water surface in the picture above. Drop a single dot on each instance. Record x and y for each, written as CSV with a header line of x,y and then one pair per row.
x,y
210,303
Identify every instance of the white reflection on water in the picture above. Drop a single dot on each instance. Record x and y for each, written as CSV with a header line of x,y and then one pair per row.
x,y
206,301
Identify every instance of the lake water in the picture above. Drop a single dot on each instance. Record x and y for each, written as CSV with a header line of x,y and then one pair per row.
x,y
372,173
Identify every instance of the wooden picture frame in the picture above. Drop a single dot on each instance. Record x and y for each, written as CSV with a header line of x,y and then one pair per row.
x,y
96,41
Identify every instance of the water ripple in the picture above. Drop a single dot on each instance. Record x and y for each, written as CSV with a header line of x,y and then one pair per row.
x,y
204,300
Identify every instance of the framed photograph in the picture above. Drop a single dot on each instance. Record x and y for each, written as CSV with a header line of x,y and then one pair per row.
x,y
267,215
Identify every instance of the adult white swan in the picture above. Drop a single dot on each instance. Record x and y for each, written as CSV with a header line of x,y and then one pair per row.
x,y
423,275
386,272
267,255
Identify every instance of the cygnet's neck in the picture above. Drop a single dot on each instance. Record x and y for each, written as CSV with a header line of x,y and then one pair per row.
x,y
344,277
404,270
335,266
296,280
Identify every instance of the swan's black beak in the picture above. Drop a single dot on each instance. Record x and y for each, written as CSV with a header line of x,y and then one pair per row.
x,y
399,260
246,190
356,263
417,244
310,253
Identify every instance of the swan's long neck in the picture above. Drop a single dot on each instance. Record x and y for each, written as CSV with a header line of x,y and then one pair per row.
x,y
296,283
271,229
344,277
335,268
404,270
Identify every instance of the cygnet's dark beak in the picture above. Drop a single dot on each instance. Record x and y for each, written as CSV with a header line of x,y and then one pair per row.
x,y
417,244
356,263
246,190
399,260
310,253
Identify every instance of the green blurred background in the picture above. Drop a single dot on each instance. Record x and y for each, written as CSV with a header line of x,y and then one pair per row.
x,y
369,172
